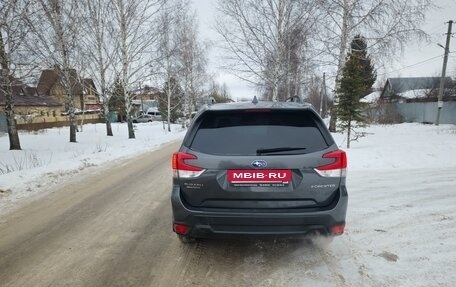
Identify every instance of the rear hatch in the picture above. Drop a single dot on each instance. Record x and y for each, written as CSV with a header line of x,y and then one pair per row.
x,y
260,159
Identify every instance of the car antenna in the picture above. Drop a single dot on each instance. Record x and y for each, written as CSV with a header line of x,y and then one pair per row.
x,y
255,100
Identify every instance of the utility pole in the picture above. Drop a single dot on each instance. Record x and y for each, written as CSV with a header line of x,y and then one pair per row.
x,y
442,79
323,95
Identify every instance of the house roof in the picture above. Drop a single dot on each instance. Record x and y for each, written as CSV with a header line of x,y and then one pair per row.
x,y
416,94
371,98
46,81
24,95
27,96
400,85
89,84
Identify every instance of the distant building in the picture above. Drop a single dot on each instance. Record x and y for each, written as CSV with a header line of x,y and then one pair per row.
x,y
27,101
415,100
415,89
86,96
46,105
144,99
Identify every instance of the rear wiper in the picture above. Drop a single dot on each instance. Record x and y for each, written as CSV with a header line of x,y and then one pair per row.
x,y
278,149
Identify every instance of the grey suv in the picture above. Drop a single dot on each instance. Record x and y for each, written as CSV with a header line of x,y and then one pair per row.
x,y
260,168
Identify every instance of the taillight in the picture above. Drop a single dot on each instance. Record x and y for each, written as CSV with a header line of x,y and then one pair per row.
x,y
338,168
182,169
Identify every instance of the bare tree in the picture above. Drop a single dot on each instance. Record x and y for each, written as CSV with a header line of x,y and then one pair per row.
x,y
192,59
99,48
182,59
167,53
387,26
135,31
316,95
266,40
12,34
56,30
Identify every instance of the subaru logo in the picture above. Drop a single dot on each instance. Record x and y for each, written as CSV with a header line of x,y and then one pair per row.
x,y
259,163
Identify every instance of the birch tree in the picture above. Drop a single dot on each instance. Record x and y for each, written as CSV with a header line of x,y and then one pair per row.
x,y
260,43
167,54
191,56
135,32
170,101
99,48
55,33
181,59
12,36
387,25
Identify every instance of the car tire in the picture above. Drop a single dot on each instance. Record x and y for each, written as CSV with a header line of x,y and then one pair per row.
x,y
186,239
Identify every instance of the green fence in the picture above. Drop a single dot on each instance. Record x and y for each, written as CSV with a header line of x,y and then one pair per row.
x,y
3,126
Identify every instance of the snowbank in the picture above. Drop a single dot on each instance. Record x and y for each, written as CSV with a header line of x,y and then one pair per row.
x,y
47,156
402,146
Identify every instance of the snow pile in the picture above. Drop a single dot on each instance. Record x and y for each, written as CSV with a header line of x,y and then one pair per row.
x,y
47,155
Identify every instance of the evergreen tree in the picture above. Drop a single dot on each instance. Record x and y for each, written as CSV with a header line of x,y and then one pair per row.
x,y
117,100
358,76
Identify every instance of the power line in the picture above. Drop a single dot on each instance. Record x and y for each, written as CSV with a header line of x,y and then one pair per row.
x,y
412,65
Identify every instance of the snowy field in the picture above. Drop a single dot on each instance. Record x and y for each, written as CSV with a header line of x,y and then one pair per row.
x,y
47,157
401,221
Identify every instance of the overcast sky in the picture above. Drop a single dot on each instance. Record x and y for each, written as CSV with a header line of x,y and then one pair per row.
x,y
406,65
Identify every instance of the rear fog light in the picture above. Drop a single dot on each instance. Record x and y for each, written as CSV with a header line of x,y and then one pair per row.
x,y
337,229
180,229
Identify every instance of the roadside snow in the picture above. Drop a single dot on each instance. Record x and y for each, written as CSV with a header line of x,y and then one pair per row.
x,y
401,147
401,217
47,157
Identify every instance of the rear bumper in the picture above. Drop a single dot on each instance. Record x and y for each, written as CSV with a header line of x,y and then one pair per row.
x,y
285,222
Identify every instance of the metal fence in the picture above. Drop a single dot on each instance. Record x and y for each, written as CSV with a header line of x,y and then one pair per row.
x,y
427,112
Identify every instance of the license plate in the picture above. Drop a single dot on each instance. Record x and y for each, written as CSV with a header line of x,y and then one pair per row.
x,y
282,176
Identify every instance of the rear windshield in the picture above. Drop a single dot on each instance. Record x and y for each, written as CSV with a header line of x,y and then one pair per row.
x,y
253,133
